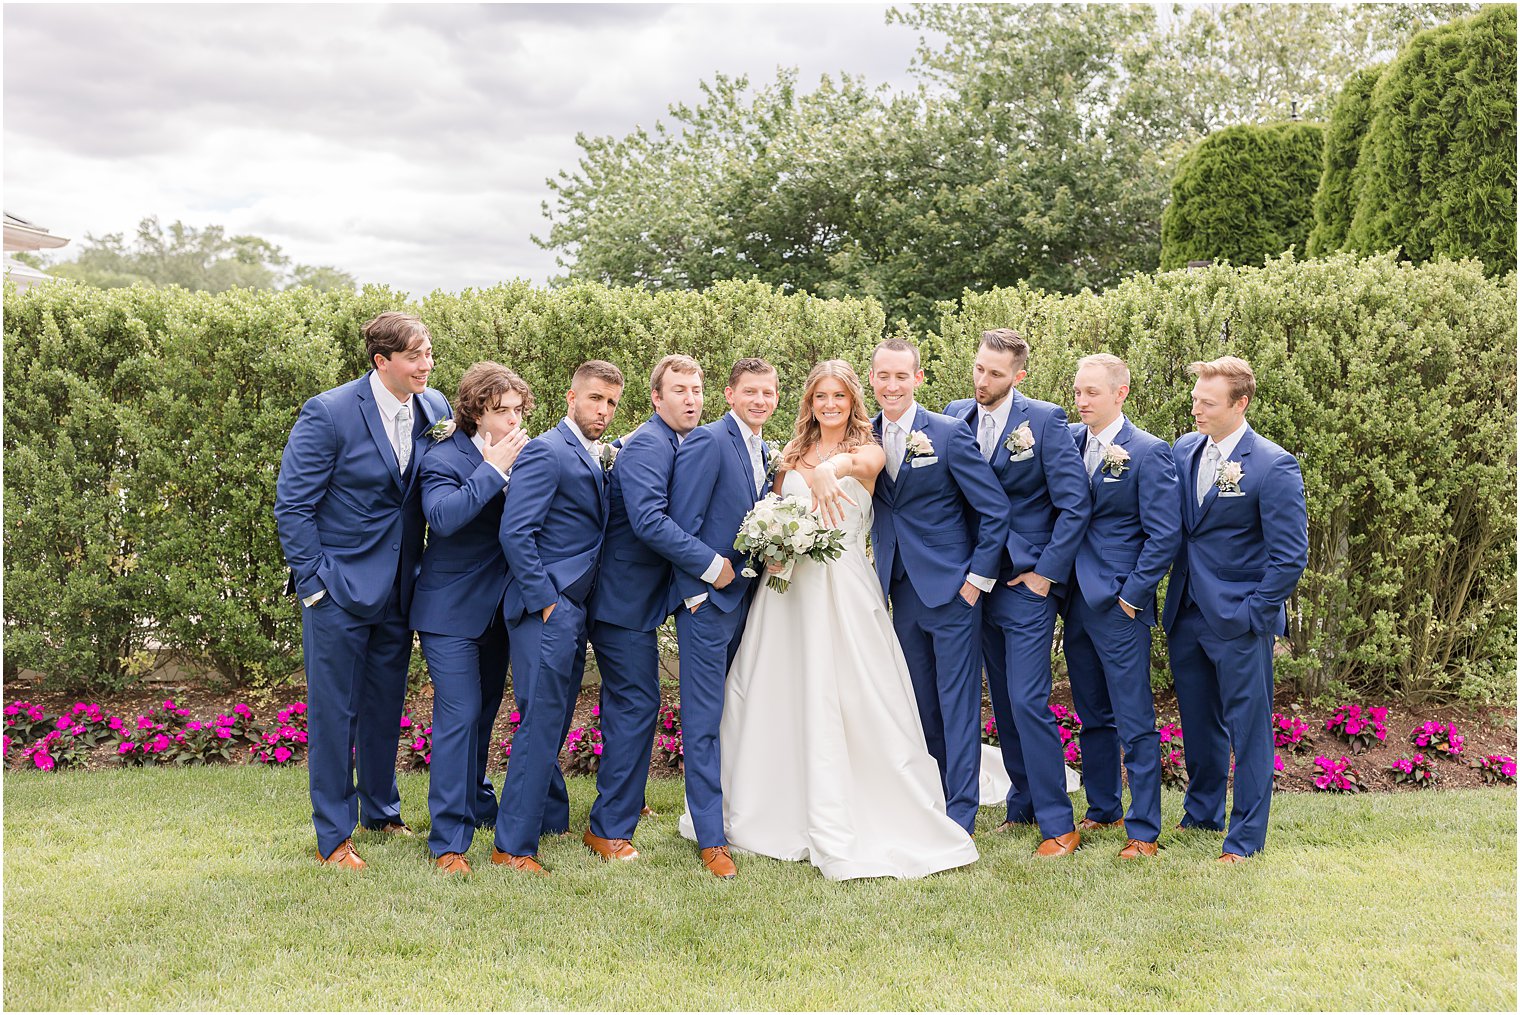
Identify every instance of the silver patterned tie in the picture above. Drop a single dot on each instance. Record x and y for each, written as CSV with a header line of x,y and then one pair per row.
x,y
757,462
404,437
989,436
1094,454
894,449
1208,471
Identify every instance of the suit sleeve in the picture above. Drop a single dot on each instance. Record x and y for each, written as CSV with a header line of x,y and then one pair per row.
x,y
306,468
646,472
448,504
978,484
535,481
1070,494
1285,529
1160,520
691,491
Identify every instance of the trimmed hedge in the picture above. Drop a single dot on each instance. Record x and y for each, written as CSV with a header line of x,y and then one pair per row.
x,y
1437,165
1335,201
144,429
1394,386
1243,194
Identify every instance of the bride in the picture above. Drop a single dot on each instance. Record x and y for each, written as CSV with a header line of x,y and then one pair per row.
x,y
823,751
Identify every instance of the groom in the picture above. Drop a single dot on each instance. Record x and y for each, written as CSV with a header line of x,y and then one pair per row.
x,y
720,473
348,509
551,535
937,534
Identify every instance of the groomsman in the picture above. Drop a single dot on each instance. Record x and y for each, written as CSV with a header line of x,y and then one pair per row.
x,y
349,514
551,534
1046,500
720,473
939,525
633,597
1245,543
1131,539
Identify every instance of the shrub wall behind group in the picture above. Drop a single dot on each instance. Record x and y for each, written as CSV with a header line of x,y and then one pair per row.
x,y
1394,386
144,427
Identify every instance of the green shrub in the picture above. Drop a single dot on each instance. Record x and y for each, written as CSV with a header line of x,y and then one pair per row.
x,y
1438,163
1243,194
1394,386
1335,200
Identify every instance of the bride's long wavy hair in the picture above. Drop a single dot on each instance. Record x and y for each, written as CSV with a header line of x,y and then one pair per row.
x,y
807,432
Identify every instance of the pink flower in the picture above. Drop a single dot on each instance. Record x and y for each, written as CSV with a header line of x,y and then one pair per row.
x,y
43,761
224,734
12,709
242,709
299,708
596,748
1278,764
115,722
75,731
596,710
515,717
62,723
282,754
125,747
192,726
406,722
168,704
144,722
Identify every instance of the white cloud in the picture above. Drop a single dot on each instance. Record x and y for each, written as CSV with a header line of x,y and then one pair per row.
x,y
406,144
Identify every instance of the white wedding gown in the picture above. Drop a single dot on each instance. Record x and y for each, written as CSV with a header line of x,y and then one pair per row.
x,y
823,755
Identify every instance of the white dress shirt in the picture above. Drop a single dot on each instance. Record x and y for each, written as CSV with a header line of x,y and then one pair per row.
x,y
1105,437
480,445
389,405
999,416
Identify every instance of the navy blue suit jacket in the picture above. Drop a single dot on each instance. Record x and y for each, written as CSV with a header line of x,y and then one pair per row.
x,y
1241,553
349,521
551,523
464,572
1045,494
943,514
714,489
1136,524
634,588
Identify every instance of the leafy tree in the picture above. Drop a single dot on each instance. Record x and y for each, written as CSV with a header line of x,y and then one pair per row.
x,y
201,260
1438,161
1244,195
1335,201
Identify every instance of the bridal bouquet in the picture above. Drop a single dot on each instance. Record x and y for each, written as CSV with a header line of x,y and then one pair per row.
x,y
778,530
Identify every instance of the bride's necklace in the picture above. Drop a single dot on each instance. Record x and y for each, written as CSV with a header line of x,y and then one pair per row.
x,y
819,457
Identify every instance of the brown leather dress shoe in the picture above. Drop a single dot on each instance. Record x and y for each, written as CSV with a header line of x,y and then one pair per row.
x,y
452,863
648,812
717,860
517,863
396,828
1089,825
1134,849
344,856
1230,858
610,849
1061,845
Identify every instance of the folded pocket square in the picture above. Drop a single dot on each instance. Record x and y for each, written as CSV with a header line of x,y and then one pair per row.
x,y
1112,479
1232,493
1022,456
919,463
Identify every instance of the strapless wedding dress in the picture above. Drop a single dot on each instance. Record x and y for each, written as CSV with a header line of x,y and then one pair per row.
x,y
823,755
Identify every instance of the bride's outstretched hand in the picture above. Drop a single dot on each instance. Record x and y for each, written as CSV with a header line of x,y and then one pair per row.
x,y
827,495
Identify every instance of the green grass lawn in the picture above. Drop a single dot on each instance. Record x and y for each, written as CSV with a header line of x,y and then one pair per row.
x,y
177,888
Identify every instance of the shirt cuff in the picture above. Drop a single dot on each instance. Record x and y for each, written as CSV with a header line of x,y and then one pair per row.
x,y
314,598
985,584
694,600
505,474
713,570
1129,604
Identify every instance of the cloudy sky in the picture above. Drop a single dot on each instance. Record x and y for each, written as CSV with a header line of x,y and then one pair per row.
x,y
405,144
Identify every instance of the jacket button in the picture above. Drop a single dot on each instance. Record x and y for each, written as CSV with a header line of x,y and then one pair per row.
x,y
395,546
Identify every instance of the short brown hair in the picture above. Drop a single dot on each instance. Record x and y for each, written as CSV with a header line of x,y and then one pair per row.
x,y
481,387
1116,369
392,332
750,365
676,362
597,369
1009,341
896,345
1233,369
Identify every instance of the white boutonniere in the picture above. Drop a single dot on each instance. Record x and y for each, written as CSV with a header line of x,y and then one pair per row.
x,y
1020,440
774,461
1115,460
1228,480
605,454
441,430
918,446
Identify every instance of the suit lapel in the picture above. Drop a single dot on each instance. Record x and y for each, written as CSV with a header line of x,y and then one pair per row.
x,y
376,424
1242,449
579,451
915,422
737,439
1121,439
467,447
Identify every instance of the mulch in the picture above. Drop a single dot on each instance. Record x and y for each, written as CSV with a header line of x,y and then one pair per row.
x,y
1489,729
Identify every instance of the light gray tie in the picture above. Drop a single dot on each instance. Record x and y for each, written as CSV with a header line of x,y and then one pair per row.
x,y
894,449
989,435
1094,454
1207,471
404,437
756,461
